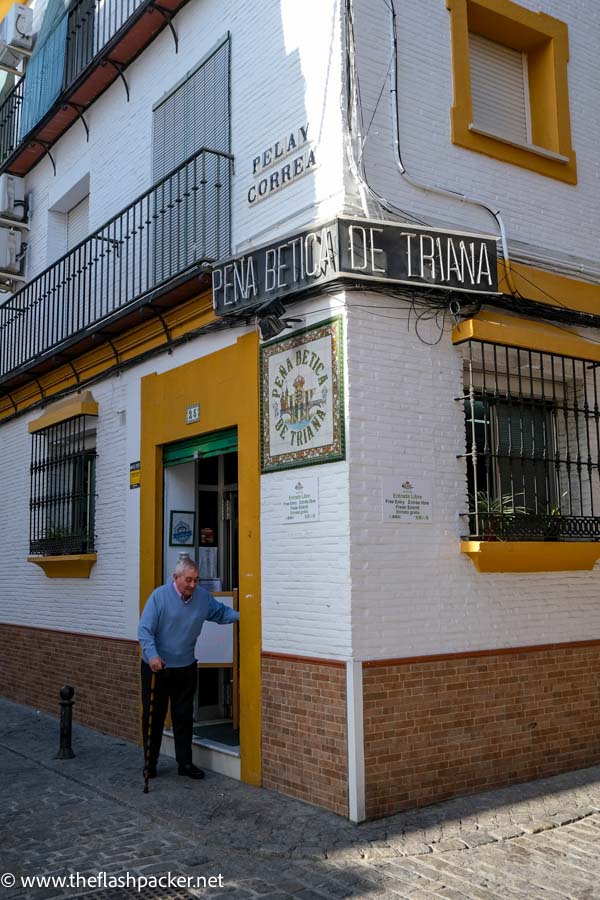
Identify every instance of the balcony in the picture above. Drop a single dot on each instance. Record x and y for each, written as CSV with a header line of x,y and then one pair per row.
x,y
150,256
103,37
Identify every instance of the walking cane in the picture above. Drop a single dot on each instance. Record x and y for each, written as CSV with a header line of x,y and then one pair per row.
x,y
149,735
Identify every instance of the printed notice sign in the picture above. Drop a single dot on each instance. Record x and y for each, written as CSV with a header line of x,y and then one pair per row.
x,y
300,500
135,475
406,500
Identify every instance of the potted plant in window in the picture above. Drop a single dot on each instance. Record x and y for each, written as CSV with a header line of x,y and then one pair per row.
x,y
492,509
552,525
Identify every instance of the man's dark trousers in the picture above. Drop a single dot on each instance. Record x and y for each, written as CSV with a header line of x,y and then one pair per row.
x,y
177,686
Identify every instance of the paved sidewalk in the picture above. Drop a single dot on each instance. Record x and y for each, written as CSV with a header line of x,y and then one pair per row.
x,y
90,815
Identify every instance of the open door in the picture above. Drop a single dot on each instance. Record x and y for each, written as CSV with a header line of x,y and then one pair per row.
x,y
201,479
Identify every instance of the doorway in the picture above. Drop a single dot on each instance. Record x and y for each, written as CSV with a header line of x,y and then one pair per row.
x,y
224,385
201,489
216,718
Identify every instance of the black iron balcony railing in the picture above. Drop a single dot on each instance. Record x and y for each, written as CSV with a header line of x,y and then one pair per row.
x,y
91,25
10,121
103,37
181,222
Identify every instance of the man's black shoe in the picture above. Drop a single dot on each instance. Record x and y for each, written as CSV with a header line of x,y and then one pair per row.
x,y
191,771
150,771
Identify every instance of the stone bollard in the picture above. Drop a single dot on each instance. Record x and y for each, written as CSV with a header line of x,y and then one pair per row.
x,y
66,723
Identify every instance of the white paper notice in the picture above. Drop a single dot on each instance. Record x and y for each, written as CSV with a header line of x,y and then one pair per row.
x,y
406,499
300,500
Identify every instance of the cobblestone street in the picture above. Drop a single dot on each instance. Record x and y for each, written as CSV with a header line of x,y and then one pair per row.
x,y
90,815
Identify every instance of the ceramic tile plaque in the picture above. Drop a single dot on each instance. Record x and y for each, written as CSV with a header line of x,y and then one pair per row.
x,y
302,398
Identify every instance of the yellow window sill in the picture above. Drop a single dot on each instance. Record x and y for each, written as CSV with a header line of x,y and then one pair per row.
x,y
530,148
531,556
76,566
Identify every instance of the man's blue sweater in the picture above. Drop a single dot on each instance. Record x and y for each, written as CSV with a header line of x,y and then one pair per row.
x,y
169,627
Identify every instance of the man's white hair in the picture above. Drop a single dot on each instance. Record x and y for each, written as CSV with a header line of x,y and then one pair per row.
x,y
185,564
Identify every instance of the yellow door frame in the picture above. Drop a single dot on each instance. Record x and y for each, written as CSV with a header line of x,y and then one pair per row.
x,y
225,384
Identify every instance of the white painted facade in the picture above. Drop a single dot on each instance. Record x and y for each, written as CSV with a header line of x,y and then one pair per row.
x,y
297,82
108,602
349,586
545,219
413,592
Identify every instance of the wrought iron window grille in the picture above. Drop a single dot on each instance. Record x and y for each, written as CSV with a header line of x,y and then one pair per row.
x,y
63,488
532,445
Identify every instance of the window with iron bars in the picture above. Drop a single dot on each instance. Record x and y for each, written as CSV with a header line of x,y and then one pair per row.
x,y
62,505
532,445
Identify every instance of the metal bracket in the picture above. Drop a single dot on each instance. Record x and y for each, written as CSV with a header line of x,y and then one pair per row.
x,y
114,243
119,69
69,362
46,147
168,16
111,344
160,316
10,397
79,110
40,388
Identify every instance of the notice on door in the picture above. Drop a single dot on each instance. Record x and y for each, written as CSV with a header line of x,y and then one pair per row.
x,y
406,500
300,500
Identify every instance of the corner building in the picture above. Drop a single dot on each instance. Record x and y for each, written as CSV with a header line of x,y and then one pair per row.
x,y
312,295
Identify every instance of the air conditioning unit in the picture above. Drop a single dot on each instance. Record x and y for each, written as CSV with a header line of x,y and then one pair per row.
x,y
16,35
12,196
10,250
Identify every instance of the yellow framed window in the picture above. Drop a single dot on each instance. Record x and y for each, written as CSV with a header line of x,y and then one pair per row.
x,y
511,98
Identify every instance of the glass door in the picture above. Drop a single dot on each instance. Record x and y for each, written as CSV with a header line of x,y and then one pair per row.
x,y
216,714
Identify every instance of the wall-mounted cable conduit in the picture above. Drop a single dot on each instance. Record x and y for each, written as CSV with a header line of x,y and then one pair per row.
x,y
433,189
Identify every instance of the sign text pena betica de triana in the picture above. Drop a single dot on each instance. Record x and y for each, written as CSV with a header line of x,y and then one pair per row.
x,y
356,249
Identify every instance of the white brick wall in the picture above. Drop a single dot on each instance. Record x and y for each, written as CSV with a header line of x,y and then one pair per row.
x,y
541,212
285,71
305,568
108,602
413,592
348,585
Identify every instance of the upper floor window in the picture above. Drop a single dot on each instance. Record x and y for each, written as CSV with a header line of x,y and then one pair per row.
x,y
532,444
499,89
511,97
77,222
63,478
193,115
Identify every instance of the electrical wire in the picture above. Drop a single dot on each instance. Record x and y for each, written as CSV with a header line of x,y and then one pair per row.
x,y
364,140
507,276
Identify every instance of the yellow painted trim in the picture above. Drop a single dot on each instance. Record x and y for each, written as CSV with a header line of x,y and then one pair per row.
x,y
225,384
531,556
545,41
554,289
513,331
5,5
181,320
79,405
75,566
535,284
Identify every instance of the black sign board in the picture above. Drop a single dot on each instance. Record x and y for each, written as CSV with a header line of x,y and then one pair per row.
x,y
356,248
278,270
